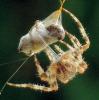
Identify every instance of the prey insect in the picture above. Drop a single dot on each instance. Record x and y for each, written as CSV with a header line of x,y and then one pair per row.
x,y
50,29
65,65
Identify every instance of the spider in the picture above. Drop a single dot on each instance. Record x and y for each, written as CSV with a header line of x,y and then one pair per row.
x,y
65,65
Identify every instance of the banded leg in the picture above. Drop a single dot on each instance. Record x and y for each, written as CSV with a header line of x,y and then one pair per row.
x,y
48,76
35,87
58,49
81,29
74,40
51,79
39,68
67,45
43,76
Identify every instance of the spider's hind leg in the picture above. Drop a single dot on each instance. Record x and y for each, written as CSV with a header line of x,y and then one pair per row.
x,y
48,76
34,87
53,86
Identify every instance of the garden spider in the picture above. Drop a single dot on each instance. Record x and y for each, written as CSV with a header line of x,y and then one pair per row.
x,y
64,65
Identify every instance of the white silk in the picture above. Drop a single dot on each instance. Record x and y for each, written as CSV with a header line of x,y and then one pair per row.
x,y
31,42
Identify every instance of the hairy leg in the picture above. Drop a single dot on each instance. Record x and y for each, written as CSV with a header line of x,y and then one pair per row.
x,y
34,87
74,40
38,66
81,29
67,45
58,49
82,67
51,79
48,76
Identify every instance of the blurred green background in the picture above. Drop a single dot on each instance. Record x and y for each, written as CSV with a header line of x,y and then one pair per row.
x,y
16,18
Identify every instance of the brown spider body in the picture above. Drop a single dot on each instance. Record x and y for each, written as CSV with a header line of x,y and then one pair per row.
x,y
69,65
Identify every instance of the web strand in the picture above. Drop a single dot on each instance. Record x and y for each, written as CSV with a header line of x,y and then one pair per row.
x,y
15,61
14,74
56,56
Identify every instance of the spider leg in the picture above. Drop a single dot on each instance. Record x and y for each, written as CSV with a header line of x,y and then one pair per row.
x,y
83,67
48,76
53,87
39,68
67,45
43,76
58,49
73,39
81,29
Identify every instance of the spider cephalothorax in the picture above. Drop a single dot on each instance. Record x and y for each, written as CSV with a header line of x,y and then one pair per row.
x,y
63,66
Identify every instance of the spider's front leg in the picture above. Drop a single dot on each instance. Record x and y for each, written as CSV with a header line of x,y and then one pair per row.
x,y
81,29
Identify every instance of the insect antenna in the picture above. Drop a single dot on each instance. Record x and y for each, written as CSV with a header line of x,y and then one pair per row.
x,y
14,73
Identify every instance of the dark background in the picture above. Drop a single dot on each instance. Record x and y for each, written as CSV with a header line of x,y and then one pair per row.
x,y
16,18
